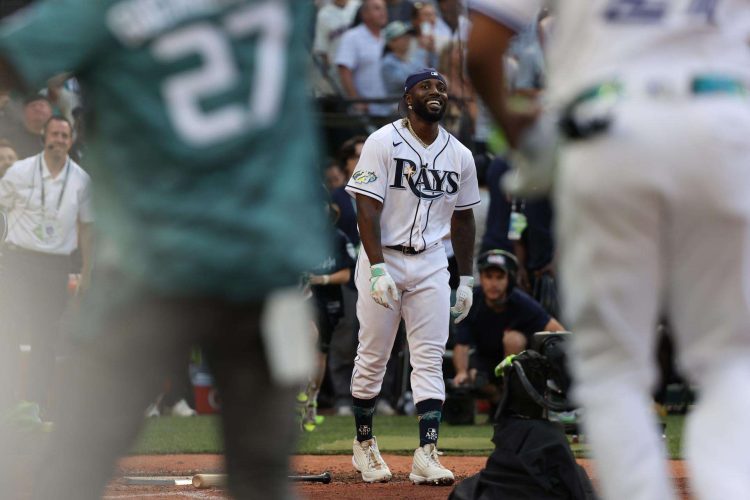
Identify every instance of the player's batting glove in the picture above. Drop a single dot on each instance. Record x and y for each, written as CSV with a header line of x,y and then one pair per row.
x,y
382,286
464,299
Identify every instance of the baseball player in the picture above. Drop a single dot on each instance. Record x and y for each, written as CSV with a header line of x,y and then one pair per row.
x,y
413,184
654,215
196,177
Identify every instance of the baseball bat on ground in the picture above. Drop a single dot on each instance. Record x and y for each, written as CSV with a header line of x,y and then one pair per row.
x,y
324,478
209,480
216,480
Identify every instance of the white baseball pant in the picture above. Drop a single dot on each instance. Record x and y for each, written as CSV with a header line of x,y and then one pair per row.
x,y
654,215
422,281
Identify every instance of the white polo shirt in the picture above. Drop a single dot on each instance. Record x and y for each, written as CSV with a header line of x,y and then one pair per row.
x,y
361,52
419,187
50,229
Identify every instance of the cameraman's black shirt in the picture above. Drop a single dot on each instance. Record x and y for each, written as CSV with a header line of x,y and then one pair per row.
x,y
484,328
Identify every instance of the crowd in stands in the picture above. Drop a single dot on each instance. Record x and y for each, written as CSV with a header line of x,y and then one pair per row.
x,y
362,52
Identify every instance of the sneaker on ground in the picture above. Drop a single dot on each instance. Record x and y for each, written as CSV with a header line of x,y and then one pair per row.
x,y
384,408
427,469
367,460
182,409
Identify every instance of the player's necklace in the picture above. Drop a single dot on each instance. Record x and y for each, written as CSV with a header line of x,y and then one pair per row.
x,y
408,125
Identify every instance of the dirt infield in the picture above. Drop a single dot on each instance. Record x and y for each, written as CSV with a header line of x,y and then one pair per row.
x,y
346,482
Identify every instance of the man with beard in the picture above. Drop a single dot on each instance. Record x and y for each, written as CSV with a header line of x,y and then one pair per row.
x,y
413,184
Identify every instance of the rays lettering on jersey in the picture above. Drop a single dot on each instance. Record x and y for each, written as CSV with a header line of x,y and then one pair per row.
x,y
425,183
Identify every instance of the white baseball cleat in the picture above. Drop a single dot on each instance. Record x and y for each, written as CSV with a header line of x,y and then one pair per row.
x,y
427,469
368,461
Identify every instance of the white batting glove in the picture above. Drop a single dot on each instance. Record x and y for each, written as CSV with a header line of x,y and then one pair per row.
x,y
464,299
382,285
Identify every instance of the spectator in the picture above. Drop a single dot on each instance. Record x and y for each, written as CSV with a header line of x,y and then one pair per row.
x,y
501,322
535,251
332,21
49,213
424,22
453,25
462,110
8,156
334,176
326,282
348,157
344,340
25,134
399,10
498,213
398,61
358,59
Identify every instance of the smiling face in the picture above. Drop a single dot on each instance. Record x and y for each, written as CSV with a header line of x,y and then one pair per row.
x,y
429,99
58,138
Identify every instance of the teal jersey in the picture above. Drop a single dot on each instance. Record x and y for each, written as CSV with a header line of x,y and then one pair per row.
x,y
203,149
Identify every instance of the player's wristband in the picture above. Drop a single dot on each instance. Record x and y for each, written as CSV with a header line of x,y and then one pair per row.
x,y
377,270
466,281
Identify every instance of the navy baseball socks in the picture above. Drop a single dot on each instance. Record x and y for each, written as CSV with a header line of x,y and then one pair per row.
x,y
429,413
426,467
363,410
365,453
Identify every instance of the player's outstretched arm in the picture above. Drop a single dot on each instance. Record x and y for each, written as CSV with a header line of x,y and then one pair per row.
x,y
462,237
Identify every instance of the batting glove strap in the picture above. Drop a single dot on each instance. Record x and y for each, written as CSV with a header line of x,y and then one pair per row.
x,y
378,270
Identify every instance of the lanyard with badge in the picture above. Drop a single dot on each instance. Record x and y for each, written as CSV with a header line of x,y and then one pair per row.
x,y
50,228
518,221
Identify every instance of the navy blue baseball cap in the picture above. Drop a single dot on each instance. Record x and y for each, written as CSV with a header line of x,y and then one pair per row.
x,y
423,74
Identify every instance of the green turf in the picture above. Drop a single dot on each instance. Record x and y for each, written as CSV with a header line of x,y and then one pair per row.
x,y
395,435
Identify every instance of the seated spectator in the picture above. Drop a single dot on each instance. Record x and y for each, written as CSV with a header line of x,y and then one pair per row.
x,y
501,322
358,59
331,23
8,156
398,61
25,135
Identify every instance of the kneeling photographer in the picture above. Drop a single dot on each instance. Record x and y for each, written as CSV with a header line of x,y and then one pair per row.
x,y
502,321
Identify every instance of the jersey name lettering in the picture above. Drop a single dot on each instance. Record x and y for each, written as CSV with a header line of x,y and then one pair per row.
x,y
425,183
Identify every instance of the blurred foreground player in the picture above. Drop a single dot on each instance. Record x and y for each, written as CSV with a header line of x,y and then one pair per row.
x,y
649,94
195,180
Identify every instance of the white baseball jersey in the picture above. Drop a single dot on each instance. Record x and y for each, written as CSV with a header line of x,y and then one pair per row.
x,y
419,187
658,40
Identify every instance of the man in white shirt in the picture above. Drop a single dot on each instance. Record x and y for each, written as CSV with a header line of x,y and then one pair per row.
x,y
47,200
653,218
358,58
331,23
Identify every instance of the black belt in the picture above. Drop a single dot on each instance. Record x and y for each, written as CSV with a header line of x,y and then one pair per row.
x,y
405,250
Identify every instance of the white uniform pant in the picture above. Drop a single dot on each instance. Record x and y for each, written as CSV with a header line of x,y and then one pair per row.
x,y
654,215
422,281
